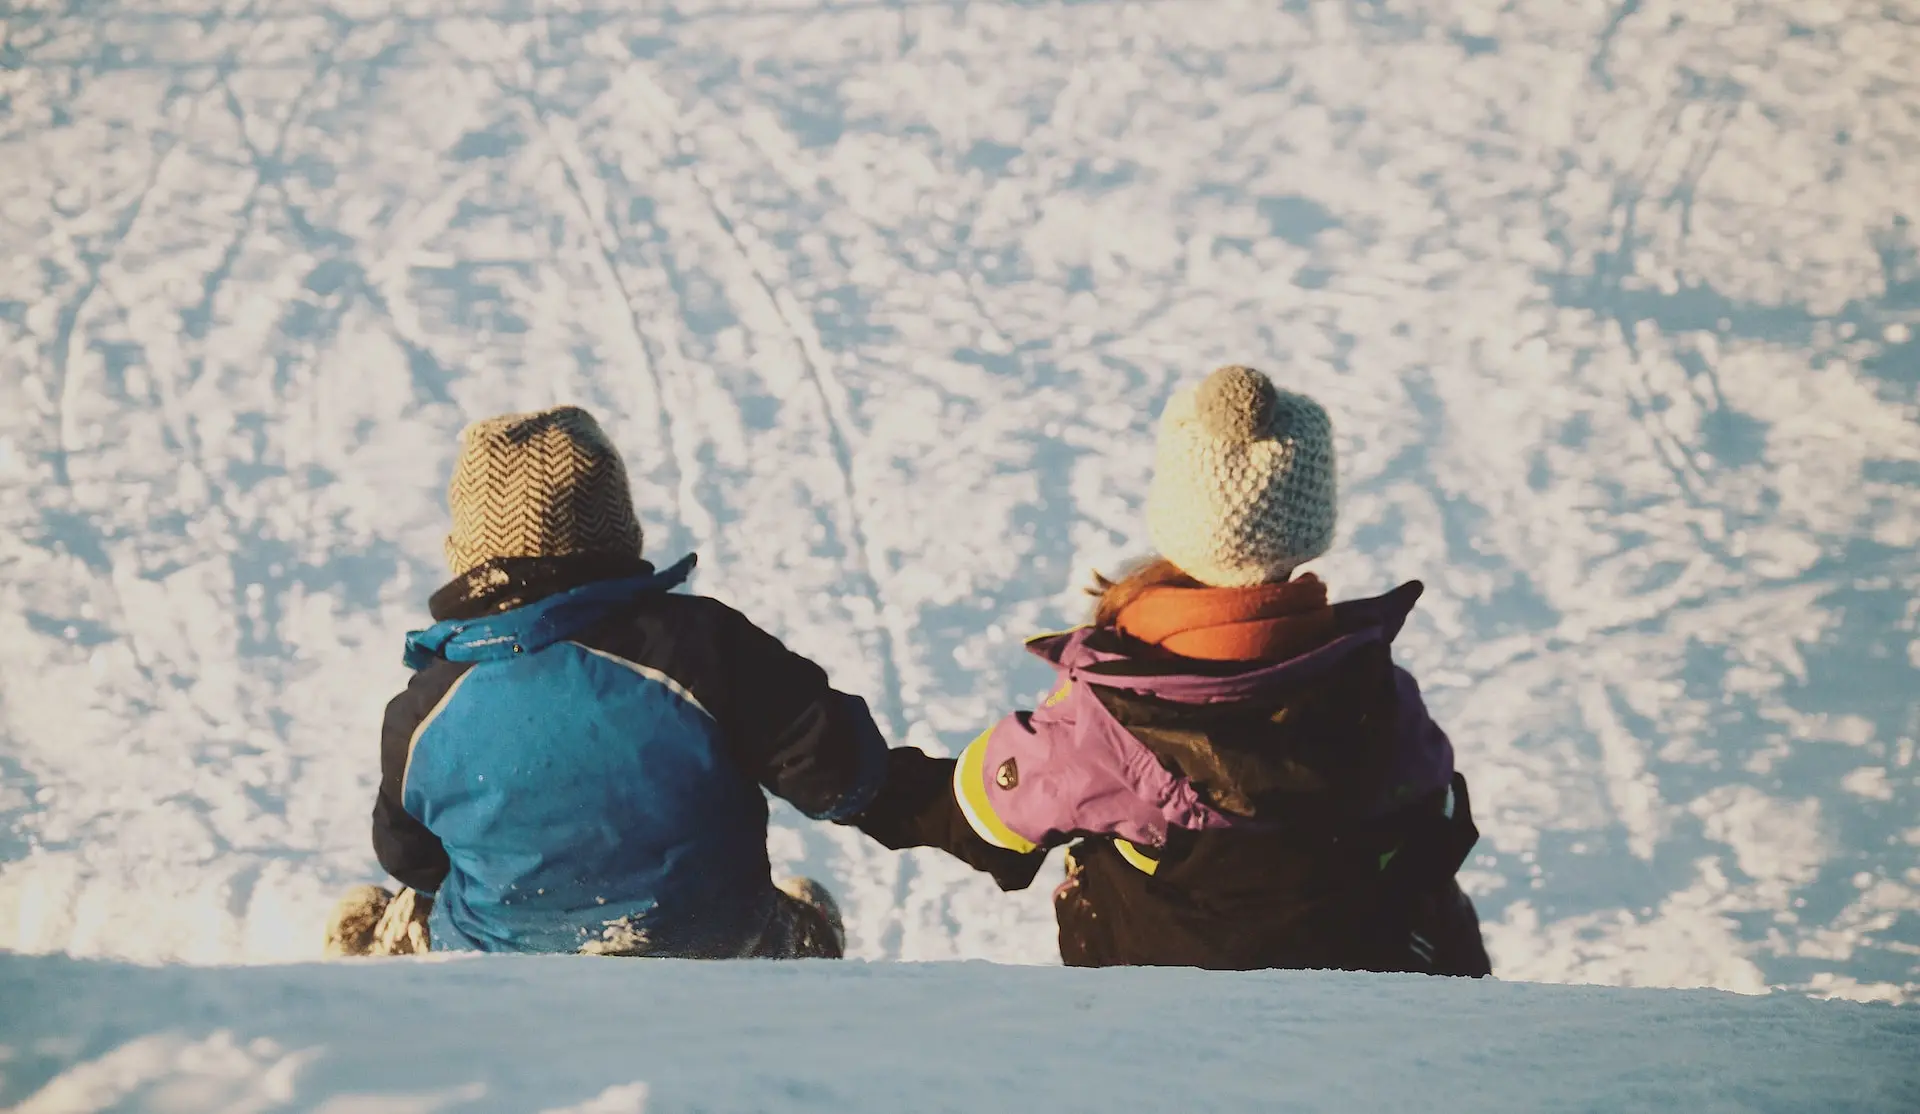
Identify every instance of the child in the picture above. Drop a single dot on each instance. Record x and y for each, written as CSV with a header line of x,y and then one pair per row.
x,y
577,763
1250,779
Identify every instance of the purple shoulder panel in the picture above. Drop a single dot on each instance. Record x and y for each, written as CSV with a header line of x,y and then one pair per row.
x,y
1069,768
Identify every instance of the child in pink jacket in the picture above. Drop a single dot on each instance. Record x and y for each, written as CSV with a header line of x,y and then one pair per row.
x,y
1245,777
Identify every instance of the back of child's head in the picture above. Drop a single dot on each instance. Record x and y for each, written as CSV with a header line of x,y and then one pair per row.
x,y
544,484
1243,487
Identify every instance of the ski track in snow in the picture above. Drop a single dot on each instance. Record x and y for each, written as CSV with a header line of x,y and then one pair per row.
x,y
1616,306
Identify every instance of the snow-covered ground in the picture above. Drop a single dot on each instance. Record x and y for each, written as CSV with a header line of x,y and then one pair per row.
x,y
1616,306
587,1036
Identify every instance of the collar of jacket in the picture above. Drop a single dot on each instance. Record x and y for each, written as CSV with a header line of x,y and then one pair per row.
x,y
1106,661
1268,622
505,583
535,626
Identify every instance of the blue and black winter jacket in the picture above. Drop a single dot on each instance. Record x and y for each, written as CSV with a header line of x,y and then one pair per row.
x,y
580,755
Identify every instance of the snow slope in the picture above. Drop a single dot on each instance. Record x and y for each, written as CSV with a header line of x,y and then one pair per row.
x,y
580,1036
1615,305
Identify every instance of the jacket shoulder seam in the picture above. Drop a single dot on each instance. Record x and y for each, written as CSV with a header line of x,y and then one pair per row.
x,y
427,721
651,674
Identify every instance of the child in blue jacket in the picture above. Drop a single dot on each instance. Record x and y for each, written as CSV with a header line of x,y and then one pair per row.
x,y
577,763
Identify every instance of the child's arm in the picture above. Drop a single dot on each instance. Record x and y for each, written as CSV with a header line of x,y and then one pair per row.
x,y
812,746
917,808
406,849
1043,778
820,749
1033,782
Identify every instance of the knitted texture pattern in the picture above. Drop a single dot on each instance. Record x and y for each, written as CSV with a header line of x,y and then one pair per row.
x,y
545,484
1243,487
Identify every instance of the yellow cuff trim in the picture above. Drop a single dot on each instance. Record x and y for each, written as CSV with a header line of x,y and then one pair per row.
x,y
1134,858
970,789
1031,639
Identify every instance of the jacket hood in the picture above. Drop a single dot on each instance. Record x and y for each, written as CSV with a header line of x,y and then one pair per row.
x,y
1102,657
535,626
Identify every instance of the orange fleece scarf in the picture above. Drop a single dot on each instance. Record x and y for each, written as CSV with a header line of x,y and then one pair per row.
x,y
1271,622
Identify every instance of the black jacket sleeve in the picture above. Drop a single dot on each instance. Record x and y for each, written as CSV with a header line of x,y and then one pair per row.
x,y
404,846
817,748
916,808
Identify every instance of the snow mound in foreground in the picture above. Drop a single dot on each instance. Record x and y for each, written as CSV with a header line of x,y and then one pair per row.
x,y
573,1036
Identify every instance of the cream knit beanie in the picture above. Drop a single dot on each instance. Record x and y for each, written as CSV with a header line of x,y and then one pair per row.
x,y
1243,488
545,484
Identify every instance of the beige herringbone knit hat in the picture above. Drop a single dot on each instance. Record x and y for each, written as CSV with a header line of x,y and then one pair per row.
x,y
545,484
1243,489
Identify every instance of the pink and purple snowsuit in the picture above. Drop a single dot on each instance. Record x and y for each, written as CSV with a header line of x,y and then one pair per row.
x,y
1296,813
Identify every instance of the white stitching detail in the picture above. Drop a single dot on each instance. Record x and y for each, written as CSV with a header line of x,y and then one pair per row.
x,y
669,683
414,740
